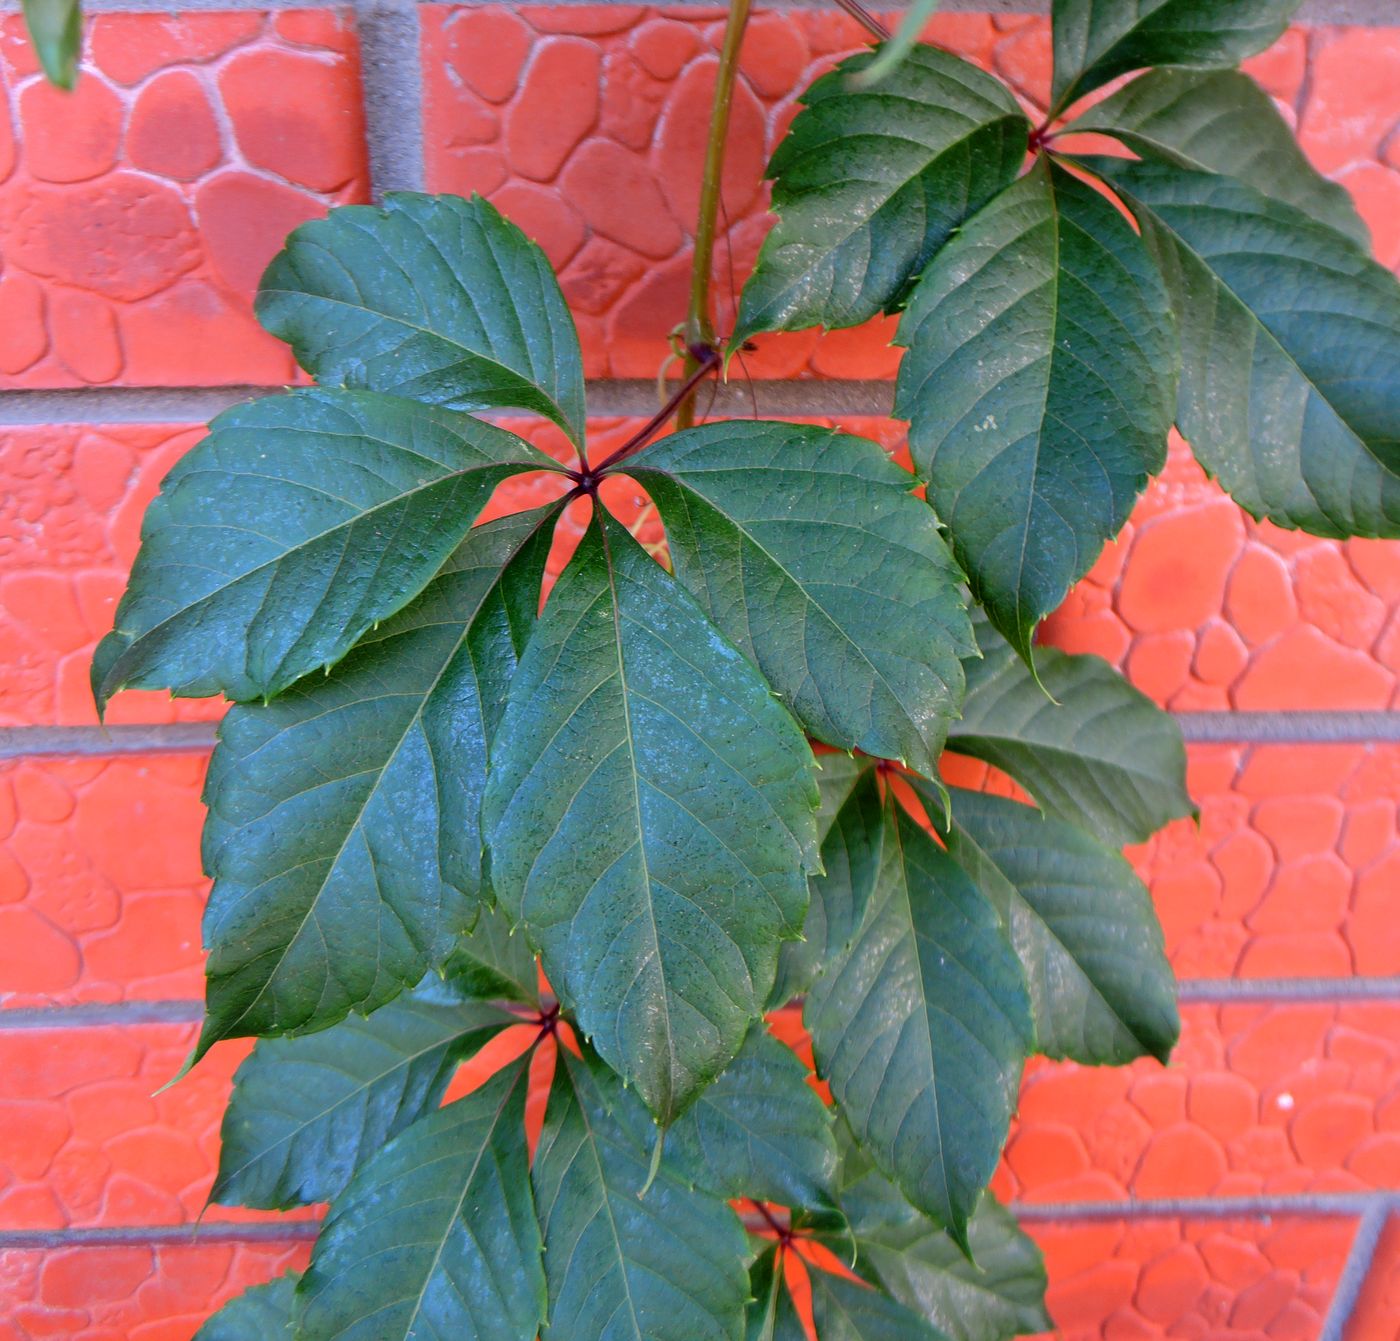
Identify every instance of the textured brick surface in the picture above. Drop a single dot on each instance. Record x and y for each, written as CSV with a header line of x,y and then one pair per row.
x,y
1223,1279
1201,607
1258,1099
138,213
1377,1315
1292,872
159,1293
589,128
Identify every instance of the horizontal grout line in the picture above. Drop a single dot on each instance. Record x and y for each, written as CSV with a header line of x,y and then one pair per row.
x,y
1244,728
1329,1204
1372,1206
1191,991
1367,13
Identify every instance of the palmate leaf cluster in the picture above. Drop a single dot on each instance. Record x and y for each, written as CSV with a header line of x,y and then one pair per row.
x,y
692,792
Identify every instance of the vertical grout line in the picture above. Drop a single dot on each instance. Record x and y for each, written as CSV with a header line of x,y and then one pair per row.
x,y
1358,1267
392,84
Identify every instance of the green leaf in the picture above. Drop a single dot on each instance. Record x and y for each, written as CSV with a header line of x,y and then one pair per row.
x,y
1088,747
432,297
56,29
1038,385
343,832
1222,121
305,1113
262,1313
846,1311
313,516
436,1236
871,182
890,53
808,550
771,1315
1083,925
998,1294
760,1131
493,961
1291,341
667,1264
1098,40
649,818
922,1026
800,961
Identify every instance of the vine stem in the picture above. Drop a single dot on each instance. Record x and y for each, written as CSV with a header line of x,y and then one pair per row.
x,y
706,358
699,330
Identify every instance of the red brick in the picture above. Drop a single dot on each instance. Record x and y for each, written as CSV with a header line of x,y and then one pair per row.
x,y
70,137
1377,1311
775,54
129,47
1166,1284
22,336
323,29
1325,1132
297,116
173,132
1305,666
557,228
557,106
1354,100
84,329
620,199
1260,601
487,49
665,47
245,220
1175,574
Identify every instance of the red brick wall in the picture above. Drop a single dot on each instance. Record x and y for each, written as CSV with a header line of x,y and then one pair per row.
x,y
1242,1192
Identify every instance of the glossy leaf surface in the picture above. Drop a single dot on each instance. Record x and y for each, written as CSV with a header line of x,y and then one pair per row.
x,y
622,1266
871,181
808,550
433,297
650,816
436,1237
1088,747
299,523
1039,384
922,1026
262,1313
343,832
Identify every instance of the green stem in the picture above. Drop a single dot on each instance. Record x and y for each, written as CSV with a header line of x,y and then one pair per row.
x,y
699,330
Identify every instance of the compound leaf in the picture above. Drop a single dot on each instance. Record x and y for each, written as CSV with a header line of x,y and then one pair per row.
x,y
305,1113
1083,925
1039,384
262,1313
1290,387
299,523
436,1236
808,550
922,1026
760,1131
1222,121
432,297
623,1265
343,832
650,819
1087,746
1097,40
493,961
871,181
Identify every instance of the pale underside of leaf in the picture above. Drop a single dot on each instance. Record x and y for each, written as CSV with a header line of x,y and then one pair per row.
x,y
1038,381
650,820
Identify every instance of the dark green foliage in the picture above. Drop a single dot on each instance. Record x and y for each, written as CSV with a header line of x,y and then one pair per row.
x,y
426,782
